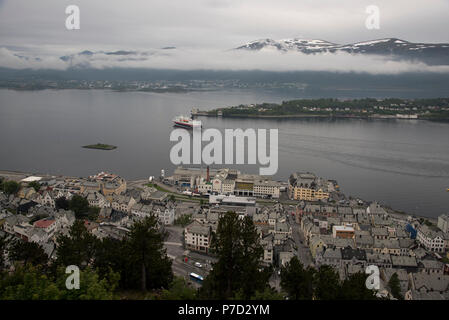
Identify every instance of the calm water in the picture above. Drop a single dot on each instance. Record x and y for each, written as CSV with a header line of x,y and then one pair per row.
x,y
404,164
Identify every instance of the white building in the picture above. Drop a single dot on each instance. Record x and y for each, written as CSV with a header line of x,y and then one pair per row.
x,y
232,200
228,186
47,225
430,239
122,203
96,199
204,186
166,216
443,223
266,188
216,184
141,210
15,220
197,237
48,200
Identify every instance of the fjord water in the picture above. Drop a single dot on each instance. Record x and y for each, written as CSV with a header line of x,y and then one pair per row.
x,y
401,163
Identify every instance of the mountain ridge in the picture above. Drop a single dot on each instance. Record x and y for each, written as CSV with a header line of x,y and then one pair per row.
x,y
429,53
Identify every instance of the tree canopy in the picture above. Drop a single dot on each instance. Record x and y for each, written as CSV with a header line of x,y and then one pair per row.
x,y
147,254
138,261
79,205
296,281
27,252
322,284
62,203
395,286
10,187
139,258
238,269
30,283
35,185
77,248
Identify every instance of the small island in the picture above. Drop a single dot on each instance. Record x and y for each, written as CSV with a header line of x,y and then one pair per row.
x,y
100,146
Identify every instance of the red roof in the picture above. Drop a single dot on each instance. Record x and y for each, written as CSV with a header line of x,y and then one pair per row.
x,y
43,223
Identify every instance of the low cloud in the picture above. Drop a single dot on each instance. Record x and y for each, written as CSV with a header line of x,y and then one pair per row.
x,y
19,60
191,59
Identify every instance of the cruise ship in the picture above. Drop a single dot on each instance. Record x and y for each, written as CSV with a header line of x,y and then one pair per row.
x,y
183,122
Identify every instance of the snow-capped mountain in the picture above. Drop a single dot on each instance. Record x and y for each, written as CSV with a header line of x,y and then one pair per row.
x,y
303,45
431,53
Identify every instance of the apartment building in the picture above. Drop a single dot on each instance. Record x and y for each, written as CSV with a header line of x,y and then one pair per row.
x,y
266,188
430,239
307,186
197,237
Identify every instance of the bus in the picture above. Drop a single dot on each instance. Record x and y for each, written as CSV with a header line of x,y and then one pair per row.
x,y
196,277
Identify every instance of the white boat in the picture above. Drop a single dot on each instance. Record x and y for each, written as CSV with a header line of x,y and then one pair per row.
x,y
183,122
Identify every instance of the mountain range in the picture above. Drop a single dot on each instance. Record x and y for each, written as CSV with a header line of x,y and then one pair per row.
x,y
389,49
429,53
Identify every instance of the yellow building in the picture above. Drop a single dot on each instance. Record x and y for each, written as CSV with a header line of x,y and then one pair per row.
x,y
309,194
26,192
106,183
306,186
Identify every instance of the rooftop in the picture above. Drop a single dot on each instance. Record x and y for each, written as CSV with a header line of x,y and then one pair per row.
x,y
31,179
45,223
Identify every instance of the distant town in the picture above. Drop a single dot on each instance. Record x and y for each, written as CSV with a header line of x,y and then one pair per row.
x,y
178,86
306,217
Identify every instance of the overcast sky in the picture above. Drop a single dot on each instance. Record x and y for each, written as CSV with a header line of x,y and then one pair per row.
x,y
143,24
39,25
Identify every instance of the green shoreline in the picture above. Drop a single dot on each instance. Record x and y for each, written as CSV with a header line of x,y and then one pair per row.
x,y
436,109
313,116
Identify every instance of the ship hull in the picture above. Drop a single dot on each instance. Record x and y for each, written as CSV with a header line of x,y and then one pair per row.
x,y
183,125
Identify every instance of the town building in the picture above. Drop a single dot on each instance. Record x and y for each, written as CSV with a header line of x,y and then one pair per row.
x,y
431,239
197,237
346,232
266,188
307,186
443,223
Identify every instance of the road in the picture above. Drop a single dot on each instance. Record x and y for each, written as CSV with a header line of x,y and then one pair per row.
x,y
175,251
303,251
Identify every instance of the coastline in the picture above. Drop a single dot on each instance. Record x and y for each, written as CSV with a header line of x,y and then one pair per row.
x,y
18,175
312,116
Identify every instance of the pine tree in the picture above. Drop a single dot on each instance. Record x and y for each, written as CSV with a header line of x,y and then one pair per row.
x,y
79,205
78,248
238,269
146,252
395,286
327,284
296,281
27,252
354,288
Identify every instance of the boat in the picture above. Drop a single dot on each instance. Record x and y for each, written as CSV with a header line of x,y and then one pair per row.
x,y
183,122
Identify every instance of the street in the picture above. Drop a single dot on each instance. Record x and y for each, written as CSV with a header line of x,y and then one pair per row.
x,y
303,251
176,252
